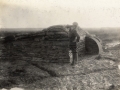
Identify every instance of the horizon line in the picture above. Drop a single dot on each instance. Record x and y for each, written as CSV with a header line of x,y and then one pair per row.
x,y
48,27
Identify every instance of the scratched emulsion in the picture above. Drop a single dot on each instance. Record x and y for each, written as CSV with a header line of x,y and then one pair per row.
x,y
37,14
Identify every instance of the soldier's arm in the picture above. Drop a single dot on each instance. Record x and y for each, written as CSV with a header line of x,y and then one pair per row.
x,y
77,36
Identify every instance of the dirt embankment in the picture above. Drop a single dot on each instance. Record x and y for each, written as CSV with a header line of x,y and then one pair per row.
x,y
90,73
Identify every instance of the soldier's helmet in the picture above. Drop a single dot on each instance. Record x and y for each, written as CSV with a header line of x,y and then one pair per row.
x,y
75,24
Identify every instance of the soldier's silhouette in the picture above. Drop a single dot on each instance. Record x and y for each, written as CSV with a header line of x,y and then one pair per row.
x,y
74,38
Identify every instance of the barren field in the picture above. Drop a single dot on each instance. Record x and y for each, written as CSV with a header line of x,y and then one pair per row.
x,y
98,72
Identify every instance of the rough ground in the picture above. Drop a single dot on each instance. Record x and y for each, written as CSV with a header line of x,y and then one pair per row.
x,y
91,73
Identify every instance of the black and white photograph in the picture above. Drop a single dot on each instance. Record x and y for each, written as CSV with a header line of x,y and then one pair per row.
x,y
59,44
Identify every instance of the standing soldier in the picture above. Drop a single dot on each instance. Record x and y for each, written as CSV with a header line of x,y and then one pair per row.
x,y
74,38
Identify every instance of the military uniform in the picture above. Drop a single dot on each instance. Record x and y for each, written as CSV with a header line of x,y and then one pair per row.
x,y
74,38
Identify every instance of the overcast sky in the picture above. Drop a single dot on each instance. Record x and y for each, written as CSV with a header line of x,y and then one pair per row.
x,y
44,13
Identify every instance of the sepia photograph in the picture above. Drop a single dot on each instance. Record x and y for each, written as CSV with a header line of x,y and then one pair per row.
x,y
59,44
